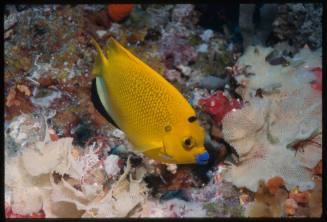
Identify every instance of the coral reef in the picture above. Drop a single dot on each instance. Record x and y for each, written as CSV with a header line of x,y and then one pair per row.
x,y
299,24
64,160
281,203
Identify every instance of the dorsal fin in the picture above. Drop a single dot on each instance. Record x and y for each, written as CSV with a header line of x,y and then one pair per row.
x,y
101,60
113,48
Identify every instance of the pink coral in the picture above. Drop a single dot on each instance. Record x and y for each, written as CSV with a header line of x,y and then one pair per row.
x,y
10,214
218,106
317,84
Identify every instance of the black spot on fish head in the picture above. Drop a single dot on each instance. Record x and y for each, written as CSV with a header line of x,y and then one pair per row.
x,y
168,128
192,119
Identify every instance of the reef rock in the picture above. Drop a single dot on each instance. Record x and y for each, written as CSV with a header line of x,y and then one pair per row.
x,y
300,24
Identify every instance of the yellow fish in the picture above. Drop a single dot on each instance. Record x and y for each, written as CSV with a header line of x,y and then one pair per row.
x,y
154,115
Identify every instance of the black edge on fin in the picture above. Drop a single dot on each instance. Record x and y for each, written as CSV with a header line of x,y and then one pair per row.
x,y
98,105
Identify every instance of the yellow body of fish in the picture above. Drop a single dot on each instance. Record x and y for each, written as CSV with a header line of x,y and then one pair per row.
x,y
155,116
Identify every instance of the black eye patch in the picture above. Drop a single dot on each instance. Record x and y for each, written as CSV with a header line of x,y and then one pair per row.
x,y
192,119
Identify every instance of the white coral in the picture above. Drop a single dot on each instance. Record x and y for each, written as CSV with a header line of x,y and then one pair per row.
x,y
267,76
264,131
51,156
124,196
26,200
111,165
171,208
171,168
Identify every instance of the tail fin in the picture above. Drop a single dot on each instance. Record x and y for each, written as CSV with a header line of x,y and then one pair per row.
x,y
100,61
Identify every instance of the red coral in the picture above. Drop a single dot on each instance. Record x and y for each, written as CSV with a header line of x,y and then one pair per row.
x,y
10,214
317,84
218,106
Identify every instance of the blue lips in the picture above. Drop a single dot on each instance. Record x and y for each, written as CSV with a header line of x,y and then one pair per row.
x,y
202,158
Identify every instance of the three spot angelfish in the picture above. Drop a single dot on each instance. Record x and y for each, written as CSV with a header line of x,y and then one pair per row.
x,y
154,115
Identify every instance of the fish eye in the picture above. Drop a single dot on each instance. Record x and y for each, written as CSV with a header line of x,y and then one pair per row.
x,y
188,143
192,119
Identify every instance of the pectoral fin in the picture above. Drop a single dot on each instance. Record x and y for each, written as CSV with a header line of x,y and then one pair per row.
x,y
158,154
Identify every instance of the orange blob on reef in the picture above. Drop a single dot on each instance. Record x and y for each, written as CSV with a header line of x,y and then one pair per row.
x,y
274,184
118,12
300,197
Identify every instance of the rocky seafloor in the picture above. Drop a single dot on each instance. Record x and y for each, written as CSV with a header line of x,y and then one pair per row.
x,y
63,159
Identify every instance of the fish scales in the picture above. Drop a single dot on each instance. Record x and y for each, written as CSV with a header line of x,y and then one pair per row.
x,y
139,95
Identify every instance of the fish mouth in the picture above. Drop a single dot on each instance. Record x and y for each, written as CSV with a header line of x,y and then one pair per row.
x,y
202,158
